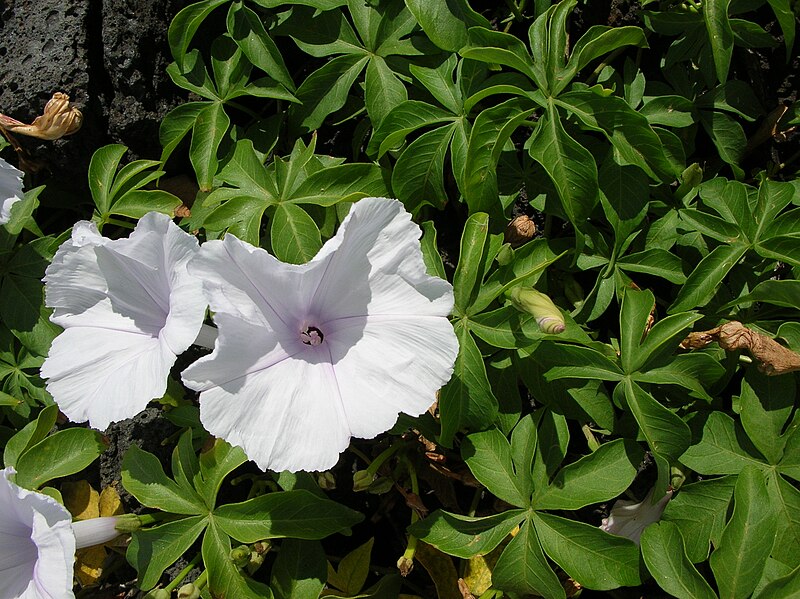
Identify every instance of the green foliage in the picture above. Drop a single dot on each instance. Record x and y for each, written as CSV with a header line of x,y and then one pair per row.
x,y
664,184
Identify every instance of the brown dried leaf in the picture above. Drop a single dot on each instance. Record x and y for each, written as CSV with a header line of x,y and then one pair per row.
x,y
519,231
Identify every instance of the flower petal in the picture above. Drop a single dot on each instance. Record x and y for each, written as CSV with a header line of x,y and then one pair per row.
x,y
385,365
10,189
286,417
374,265
103,375
37,546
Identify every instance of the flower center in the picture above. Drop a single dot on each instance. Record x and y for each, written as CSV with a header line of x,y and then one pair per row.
x,y
311,336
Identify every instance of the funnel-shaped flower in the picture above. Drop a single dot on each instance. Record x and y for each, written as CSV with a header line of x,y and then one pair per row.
x,y
10,189
311,355
128,308
37,546
629,518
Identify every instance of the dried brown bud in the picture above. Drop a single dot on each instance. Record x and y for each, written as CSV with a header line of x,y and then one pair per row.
x,y
520,231
59,118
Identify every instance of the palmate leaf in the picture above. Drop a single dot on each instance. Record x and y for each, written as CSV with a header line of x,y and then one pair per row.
x,y
446,23
466,536
488,455
224,578
523,568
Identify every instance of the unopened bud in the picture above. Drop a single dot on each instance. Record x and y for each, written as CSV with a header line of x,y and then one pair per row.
x,y
520,231
541,307
59,118
380,486
189,591
240,556
362,480
326,481
505,255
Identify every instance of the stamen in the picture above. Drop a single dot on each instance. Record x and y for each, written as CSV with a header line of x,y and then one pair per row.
x,y
311,336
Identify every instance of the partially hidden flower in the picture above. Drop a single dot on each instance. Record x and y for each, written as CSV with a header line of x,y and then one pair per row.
x,y
10,189
38,542
311,355
128,307
629,518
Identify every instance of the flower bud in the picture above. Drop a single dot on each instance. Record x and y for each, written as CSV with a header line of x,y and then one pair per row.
x,y
189,591
362,480
380,486
541,307
520,231
505,255
326,481
240,556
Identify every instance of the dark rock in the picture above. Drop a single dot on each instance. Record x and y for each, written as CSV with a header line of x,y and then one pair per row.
x,y
110,56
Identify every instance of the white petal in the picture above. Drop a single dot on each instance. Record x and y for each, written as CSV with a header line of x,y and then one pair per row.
x,y
374,265
385,365
249,283
103,375
10,189
286,417
95,531
36,544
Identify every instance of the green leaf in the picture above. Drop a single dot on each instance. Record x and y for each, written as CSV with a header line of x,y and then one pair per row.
x,y
671,111
22,300
325,91
185,24
664,554
300,570
787,20
739,560
102,169
247,30
666,434
570,166
137,203
402,120
655,262
496,47
786,504
176,124
702,284
490,132
634,141
29,435
596,559
153,550
597,41
465,536
383,90
430,251
418,175
445,23
209,128
523,452
471,259
224,578
298,514
523,568
699,511
467,401
215,464
144,478
722,449
294,234
713,226
785,587
766,404
60,454
784,248
596,477
727,134
720,35
488,455
353,570
573,361
634,312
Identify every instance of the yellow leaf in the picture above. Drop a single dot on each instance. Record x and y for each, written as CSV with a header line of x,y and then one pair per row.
x,y
89,564
441,570
81,499
110,503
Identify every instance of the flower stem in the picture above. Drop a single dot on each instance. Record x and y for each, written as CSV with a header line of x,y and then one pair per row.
x,y
183,574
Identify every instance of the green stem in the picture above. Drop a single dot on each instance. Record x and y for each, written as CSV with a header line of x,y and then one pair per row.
x,y
119,223
183,574
382,457
202,580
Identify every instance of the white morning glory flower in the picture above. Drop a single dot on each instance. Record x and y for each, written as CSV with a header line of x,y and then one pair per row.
x,y
629,518
311,355
10,189
128,308
38,542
